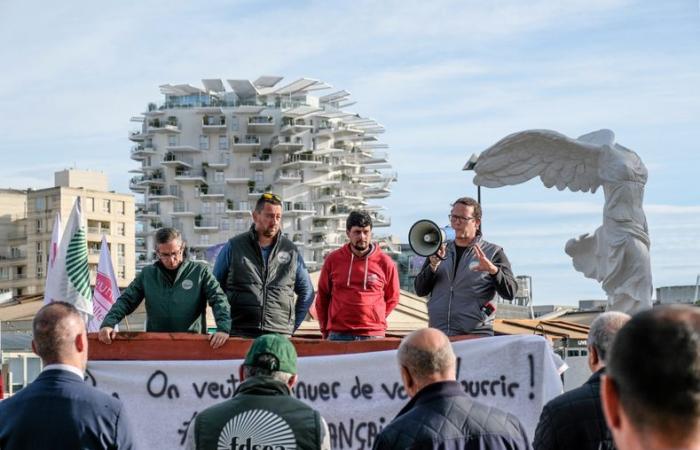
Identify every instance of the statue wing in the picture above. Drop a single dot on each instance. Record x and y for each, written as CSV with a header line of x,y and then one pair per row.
x,y
557,159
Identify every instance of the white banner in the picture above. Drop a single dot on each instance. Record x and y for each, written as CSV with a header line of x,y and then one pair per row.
x,y
357,394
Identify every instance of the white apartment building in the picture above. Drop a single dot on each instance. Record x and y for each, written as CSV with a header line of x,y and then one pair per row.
x,y
208,153
27,223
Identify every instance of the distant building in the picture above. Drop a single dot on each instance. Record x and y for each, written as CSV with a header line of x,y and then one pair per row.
x,y
206,154
27,223
678,294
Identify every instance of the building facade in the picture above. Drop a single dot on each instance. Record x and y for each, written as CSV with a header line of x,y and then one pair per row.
x,y
24,246
207,154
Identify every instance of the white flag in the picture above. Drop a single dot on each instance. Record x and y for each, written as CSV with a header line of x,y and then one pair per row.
x,y
52,288
106,290
72,263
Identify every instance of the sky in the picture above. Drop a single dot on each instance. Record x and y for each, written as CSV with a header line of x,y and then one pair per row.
x,y
446,79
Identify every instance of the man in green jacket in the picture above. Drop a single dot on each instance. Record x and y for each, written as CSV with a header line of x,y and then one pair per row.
x,y
263,413
176,291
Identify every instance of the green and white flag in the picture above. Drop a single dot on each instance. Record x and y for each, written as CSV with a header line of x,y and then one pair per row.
x,y
72,263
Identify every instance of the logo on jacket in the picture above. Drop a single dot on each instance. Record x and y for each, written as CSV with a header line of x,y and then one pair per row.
x,y
256,429
187,284
283,257
372,278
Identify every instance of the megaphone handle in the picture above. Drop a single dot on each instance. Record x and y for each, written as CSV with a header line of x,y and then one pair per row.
x,y
442,258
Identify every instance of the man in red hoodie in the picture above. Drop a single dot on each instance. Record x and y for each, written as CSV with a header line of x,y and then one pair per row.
x,y
358,286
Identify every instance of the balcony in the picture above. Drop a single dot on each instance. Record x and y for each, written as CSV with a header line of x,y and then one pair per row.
x,y
213,123
159,126
152,212
182,209
237,180
261,124
287,143
161,193
291,126
221,162
213,192
299,208
205,225
140,152
136,186
247,143
300,161
238,208
190,176
175,160
99,230
260,161
183,148
380,220
289,176
137,136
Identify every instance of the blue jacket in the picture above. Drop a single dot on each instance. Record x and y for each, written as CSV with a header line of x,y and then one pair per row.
x,y
59,411
442,417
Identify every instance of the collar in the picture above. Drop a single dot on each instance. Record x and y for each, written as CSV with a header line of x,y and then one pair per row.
x,y
262,385
432,391
64,367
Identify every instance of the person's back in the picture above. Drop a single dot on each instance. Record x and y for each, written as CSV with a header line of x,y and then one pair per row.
x,y
440,414
444,417
58,410
574,420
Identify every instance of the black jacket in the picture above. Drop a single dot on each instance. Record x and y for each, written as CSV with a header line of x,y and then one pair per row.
x,y
574,420
441,416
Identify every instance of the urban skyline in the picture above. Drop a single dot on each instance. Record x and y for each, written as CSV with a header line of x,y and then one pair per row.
x,y
446,79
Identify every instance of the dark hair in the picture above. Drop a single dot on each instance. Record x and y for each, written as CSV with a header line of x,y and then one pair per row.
x,y
266,365
654,363
358,219
53,331
468,201
267,197
165,235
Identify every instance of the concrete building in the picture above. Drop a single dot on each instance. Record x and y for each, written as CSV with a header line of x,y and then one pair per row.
x,y
27,223
207,154
679,294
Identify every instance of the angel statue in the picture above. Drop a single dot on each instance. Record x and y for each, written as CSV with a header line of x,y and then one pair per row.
x,y
617,254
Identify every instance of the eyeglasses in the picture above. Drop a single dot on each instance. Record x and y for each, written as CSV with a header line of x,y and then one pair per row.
x,y
169,255
459,218
271,196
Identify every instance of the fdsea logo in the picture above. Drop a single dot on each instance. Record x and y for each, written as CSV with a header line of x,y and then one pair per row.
x,y
257,429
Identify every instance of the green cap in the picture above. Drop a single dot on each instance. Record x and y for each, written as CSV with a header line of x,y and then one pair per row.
x,y
275,345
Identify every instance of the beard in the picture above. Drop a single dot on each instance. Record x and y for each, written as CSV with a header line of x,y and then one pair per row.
x,y
360,246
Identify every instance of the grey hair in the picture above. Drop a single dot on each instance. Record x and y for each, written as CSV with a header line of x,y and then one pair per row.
x,y
421,363
254,371
165,235
603,330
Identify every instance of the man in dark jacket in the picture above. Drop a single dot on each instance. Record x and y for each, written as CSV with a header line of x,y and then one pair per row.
x,y
440,414
176,290
574,420
59,410
262,412
464,276
260,271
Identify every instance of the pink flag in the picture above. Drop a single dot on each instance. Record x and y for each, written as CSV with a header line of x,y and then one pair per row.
x,y
52,288
106,290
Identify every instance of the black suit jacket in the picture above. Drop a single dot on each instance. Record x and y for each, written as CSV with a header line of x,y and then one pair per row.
x,y
574,420
59,411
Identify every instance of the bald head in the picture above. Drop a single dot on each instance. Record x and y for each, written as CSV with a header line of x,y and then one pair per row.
x,y
428,356
57,328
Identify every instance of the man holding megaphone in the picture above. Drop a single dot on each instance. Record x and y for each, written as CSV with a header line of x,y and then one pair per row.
x,y
461,276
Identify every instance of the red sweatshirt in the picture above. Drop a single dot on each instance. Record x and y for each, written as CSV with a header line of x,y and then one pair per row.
x,y
356,294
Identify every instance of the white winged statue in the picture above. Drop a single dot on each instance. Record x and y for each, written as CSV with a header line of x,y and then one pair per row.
x,y
617,254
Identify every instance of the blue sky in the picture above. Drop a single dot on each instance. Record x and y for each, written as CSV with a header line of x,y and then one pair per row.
x,y
446,78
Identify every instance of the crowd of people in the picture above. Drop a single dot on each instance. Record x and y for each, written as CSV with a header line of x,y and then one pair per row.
x,y
644,392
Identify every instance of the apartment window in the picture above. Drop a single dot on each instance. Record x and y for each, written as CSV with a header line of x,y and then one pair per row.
x,y
40,203
90,204
121,207
223,142
203,142
39,270
106,206
93,270
39,226
225,224
172,140
204,239
258,177
219,207
219,176
239,224
121,273
244,205
205,208
121,229
234,123
121,249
